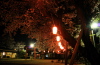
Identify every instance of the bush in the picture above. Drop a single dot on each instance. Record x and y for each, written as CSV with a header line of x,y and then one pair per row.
x,y
21,54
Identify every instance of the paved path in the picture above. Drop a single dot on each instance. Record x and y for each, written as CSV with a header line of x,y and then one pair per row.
x,y
31,62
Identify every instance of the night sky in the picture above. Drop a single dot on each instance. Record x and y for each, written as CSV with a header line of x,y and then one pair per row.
x,y
18,37
1,30
23,38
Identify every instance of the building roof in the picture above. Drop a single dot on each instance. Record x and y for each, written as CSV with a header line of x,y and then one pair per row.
x,y
7,50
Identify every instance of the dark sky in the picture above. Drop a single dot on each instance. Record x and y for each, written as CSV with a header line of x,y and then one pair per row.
x,y
18,37
23,37
1,30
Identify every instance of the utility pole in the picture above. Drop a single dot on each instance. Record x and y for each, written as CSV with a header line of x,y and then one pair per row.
x,y
34,52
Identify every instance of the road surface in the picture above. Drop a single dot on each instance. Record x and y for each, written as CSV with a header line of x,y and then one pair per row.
x,y
30,62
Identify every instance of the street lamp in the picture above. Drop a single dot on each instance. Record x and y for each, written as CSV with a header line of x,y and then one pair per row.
x,y
94,26
34,49
31,45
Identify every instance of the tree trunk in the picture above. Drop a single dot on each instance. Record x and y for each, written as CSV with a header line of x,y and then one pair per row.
x,y
62,29
76,48
90,51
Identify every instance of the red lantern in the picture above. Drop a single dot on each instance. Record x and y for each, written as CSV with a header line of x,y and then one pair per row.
x,y
58,38
61,47
59,44
54,30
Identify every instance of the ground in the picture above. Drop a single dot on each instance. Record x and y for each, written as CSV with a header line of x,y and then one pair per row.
x,y
31,62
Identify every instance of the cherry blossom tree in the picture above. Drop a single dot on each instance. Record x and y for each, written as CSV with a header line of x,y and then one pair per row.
x,y
37,17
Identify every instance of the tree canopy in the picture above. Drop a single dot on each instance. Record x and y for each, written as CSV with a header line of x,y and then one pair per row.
x,y
37,17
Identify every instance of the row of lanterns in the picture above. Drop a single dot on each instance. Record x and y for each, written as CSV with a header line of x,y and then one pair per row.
x,y
58,37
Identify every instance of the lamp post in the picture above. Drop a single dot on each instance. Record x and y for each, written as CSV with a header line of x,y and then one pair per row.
x,y
93,38
98,34
93,26
34,49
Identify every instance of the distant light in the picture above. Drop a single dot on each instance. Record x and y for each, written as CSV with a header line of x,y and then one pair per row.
x,y
14,49
47,56
31,45
54,30
4,53
94,25
58,51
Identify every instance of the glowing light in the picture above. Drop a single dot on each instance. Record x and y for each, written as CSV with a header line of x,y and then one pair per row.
x,y
58,38
98,24
94,25
58,51
44,51
54,30
4,53
31,45
61,47
59,44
